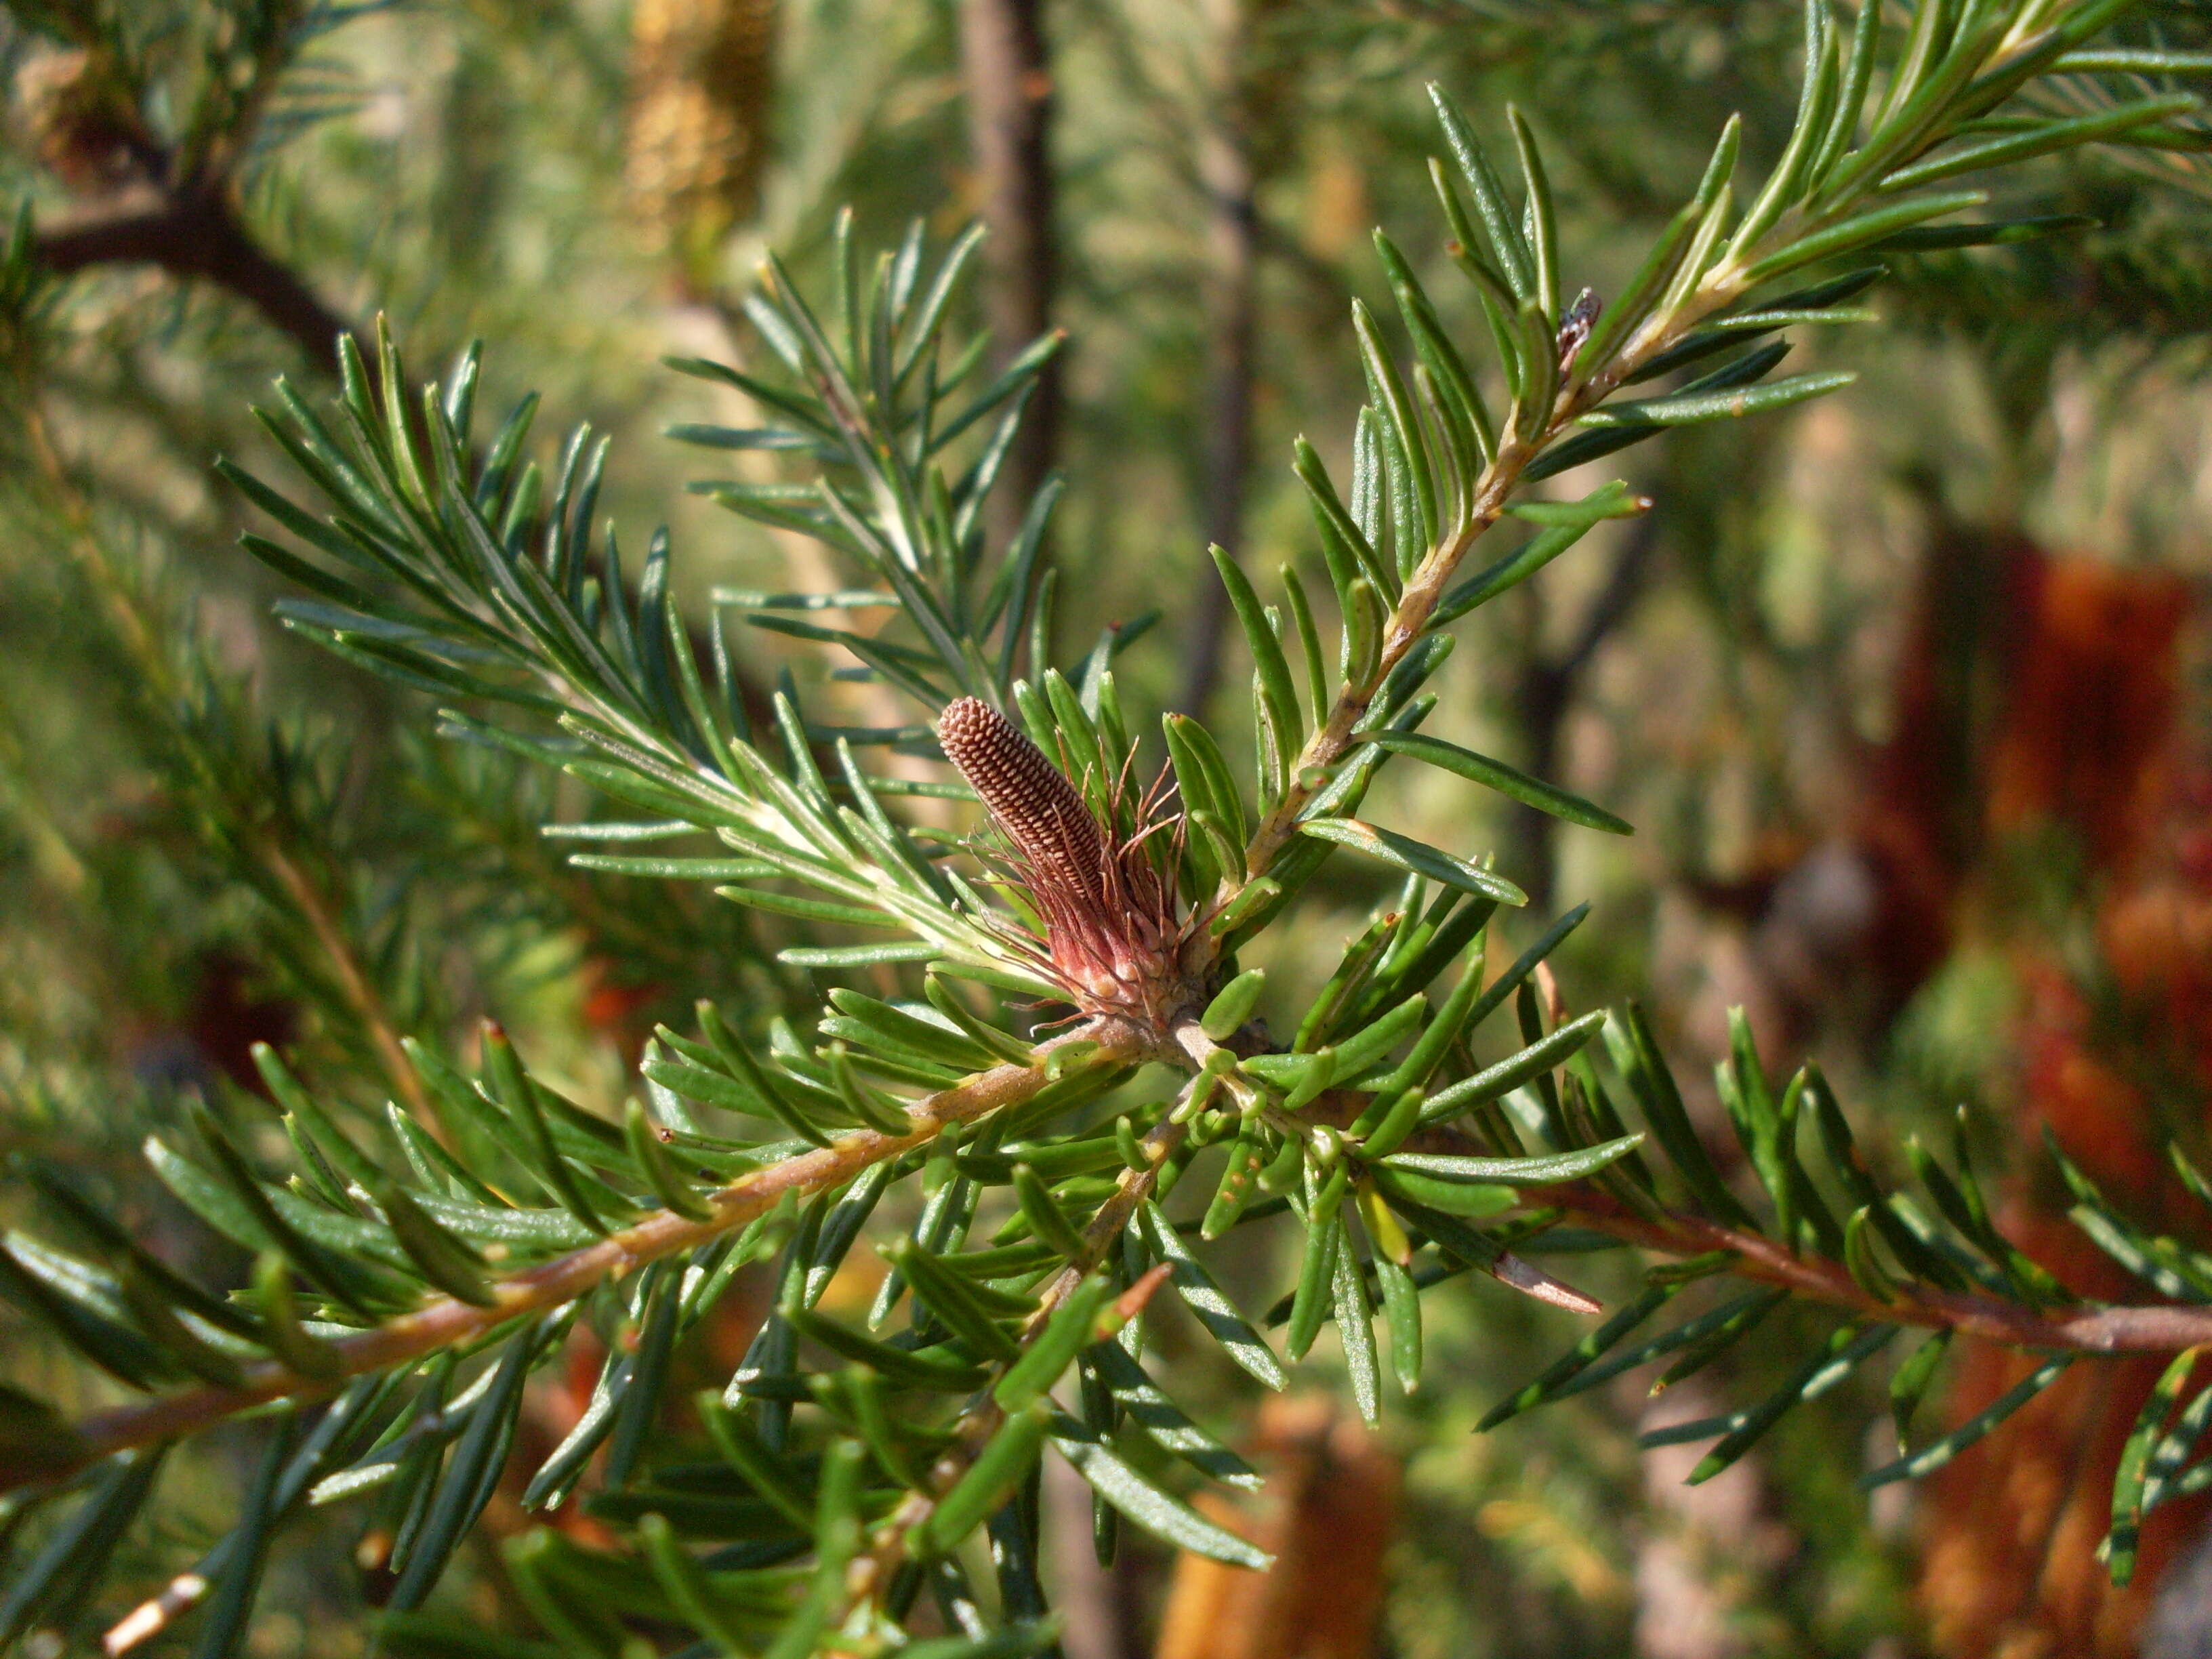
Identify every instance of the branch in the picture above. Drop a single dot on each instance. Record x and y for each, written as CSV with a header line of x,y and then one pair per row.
x,y
1227,179
873,1573
194,234
446,1322
1007,75
1775,226
2087,1328
315,901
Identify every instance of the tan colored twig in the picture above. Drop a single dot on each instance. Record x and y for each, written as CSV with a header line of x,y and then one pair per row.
x,y
444,1323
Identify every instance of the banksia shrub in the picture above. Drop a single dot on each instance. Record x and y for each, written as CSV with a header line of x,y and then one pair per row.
x,y
997,1061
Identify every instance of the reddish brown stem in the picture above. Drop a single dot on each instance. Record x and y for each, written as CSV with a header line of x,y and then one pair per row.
x,y
2082,1328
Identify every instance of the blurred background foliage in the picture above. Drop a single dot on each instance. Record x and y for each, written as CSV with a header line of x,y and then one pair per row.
x,y
1906,692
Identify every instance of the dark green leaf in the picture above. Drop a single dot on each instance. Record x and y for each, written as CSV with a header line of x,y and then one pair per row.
x,y
1933,1457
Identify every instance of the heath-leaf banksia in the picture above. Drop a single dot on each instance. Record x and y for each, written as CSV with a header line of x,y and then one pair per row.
x,y
1113,934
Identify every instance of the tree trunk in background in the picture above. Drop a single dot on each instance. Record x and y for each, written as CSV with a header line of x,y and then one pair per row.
x,y
1008,79
1226,174
1328,1517
1544,694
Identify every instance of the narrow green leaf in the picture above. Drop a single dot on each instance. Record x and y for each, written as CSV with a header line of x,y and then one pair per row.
x,y
1404,852
1233,1004
50,1585
897,1029
1640,1061
1047,1220
1844,1350
2001,232
1861,230
2041,139
1933,1457
1166,1518
999,1468
1688,410
1518,1172
1071,1328
668,1182
1910,1384
1460,1198
1401,1308
1140,1399
1505,779
1785,185
230,1607
763,1467
1554,1377
353,1284
1208,1302
1535,553
870,1106
452,1266
688,1587
1499,220
93,1327
302,1353
1318,1266
1495,1082
1238,1185
470,1475
1276,687
767,1087
1619,318
1406,445
513,1088
2135,1465
1355,1325
1706,1337
954,1299
1540,217
637,1407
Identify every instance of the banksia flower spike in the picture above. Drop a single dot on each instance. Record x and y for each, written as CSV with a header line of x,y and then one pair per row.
x,y
1114,938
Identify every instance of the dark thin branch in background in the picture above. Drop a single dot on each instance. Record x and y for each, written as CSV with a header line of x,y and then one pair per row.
x,y
1545,691
1226,175
195,233
201,236
1008,79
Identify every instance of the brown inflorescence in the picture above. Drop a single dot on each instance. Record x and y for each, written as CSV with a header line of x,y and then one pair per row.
x,y
1114,939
